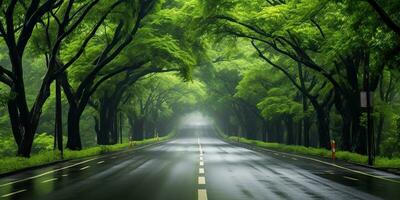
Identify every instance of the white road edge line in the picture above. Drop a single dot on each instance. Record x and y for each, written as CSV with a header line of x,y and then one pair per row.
x,y
334,165
46,173
83,168
350,178
100,162
49,180
13,193
202,194
73,165
201,180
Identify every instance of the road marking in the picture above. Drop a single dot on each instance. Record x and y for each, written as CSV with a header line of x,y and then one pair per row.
x,y
201,163
294,158
201,180
276,154
76,164
46,173
337,166
100,162
83,168
49,180
114,157
13,193
201,171
350,178
202,194
65,175
201,158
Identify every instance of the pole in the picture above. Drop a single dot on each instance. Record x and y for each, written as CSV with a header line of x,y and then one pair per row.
x,y
58,118
120,127
370,133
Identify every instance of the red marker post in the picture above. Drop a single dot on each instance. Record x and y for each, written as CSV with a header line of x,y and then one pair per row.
x,y
333,147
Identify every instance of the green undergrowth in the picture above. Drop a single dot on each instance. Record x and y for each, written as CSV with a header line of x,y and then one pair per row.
x,y
10,164
380,162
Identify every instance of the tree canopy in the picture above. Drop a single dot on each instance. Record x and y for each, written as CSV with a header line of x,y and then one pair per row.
x,y
283,71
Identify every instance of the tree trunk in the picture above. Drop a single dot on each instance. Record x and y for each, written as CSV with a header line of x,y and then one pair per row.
x,y
103,137
359,135
138,129
279,132
299,134
15,121
74,138
264,131
323,128
381,122
25,146
114,127
31,119
346,133
289,129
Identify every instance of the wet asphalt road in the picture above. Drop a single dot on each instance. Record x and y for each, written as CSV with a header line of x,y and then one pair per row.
x,y
198,165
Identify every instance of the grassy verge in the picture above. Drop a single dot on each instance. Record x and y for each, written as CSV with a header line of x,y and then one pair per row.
x,y
380,162
10,164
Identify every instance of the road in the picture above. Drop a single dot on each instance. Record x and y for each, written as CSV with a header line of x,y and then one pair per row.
x,y
198,165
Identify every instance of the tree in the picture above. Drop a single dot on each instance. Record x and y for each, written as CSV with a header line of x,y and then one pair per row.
x,y
17,34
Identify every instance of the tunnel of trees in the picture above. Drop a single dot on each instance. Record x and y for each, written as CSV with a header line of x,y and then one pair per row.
x,y
282,71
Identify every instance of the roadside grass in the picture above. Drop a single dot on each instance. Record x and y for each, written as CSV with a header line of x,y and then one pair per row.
x,y
380,162
10,164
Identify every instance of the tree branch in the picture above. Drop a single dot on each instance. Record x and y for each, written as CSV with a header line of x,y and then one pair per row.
x,y
385,16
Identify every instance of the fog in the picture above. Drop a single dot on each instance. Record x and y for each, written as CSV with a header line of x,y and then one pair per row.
x,y
195,119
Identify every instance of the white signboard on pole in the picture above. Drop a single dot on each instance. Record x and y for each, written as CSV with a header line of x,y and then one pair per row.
x,y
363,99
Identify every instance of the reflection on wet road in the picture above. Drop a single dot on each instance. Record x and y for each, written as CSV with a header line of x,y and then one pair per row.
x,y
197,165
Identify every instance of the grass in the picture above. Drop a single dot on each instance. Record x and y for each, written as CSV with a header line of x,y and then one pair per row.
x,y
11,164
380,162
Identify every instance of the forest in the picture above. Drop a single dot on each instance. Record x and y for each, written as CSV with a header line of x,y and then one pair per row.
x,y
79,74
